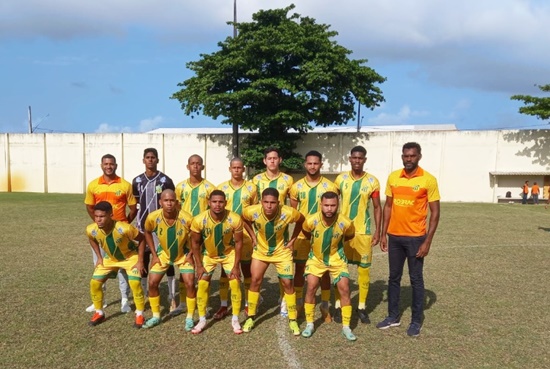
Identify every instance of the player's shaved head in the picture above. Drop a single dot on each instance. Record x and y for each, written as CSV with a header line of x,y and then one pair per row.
x,y
195,156
167,193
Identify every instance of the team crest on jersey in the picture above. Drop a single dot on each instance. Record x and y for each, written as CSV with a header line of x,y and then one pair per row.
x,y
281,187
158,189
120,230
204,221
255,216
158,220
179,232
416,188
118,193
315,222
94,233
346,176
230,220
183,222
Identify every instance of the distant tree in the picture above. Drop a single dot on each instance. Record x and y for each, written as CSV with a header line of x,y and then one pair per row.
x,y
537,106
282,73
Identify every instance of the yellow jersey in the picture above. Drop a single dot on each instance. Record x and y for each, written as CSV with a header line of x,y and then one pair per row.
x,y
217,236
172,238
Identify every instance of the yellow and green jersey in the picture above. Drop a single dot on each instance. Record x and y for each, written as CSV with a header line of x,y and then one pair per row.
x,y
194,199
308,196
282,183
239,198
355,195
328,240
217,236
270,234
118,244
172,238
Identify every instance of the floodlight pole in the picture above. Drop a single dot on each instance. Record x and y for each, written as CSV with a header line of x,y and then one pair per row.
x,y
235,138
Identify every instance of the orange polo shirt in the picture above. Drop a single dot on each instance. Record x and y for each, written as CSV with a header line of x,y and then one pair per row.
x,y
118,193
411,196
535,190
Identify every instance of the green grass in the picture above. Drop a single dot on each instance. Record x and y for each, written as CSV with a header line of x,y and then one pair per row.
x,y
487,298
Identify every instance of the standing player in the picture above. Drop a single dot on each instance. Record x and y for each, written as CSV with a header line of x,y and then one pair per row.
x,y
116,240
328,230
357,187
169,227
192,194
147,188
239,194
270,221
409,194
118,192
220,231
274,178
305,196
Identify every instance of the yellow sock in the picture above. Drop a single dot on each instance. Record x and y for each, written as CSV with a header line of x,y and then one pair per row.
x,y
346,315
364,281
291,305
183,292
137,291
325,296
96,293
299,293
253,298
336,298
310,312
154,302
202,297
224,288
191,305
236,296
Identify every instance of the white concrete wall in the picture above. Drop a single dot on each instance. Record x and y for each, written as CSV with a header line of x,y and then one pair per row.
x,y
461,160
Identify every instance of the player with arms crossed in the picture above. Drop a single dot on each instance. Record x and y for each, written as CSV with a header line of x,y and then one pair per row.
x,y
239,194
328,230
270,222
220,231
170,226
116,240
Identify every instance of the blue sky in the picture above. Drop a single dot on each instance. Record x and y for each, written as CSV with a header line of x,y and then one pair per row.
x,y
111,66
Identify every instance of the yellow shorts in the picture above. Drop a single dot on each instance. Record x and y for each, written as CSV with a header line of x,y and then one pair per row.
x,y
359,250
302,247
227,262
246,250
337,268
282,260
110,268
181,262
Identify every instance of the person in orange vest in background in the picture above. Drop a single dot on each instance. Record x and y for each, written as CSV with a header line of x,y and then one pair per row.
x,y
525,192
535,190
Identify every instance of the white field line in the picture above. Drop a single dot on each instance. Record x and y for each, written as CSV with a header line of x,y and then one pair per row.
x,y
288,352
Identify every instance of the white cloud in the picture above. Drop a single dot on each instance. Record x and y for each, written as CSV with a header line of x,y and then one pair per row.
x,y
403,116
108,128
149,124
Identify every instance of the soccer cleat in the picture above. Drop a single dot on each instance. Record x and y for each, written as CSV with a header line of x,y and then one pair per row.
x,y
199,327
346,332
91,308
179,309
189,323
140,320
388,322
293,325
97,318
222,312
236,326
337,315
414,329
310,328
125,306
325,314
248,325
363,316
150,323
284,309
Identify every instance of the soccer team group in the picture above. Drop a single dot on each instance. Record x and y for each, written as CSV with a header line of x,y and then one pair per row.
x,y
245,226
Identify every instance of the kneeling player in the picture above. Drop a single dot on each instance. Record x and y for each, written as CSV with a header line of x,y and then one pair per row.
x,y
327,231
221,233
117,241
172,230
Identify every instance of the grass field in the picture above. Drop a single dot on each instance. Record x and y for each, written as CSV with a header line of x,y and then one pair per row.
x,y
487,300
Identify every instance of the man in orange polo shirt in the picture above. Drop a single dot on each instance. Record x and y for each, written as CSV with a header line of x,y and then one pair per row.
x,y
118,192
535,191
409,194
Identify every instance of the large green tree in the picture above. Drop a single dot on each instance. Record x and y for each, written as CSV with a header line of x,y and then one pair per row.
x,y
282,73
536,106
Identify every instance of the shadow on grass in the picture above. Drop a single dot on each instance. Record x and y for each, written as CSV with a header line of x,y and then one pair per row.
x,y
546,229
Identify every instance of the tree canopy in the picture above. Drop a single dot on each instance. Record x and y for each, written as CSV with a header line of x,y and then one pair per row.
x,y
283,72
536,106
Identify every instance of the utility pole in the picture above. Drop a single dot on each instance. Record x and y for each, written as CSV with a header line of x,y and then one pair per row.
x,y
235,138
359,118
30,120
